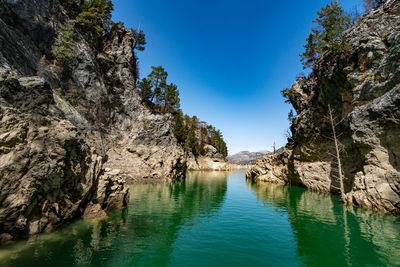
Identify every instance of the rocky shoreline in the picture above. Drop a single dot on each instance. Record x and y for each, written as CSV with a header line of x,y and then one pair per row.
x,y
363,88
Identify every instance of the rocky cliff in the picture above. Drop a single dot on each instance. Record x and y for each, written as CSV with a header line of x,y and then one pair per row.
x,y
363,88
72,134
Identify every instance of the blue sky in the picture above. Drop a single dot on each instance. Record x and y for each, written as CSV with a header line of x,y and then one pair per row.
x,y
230,59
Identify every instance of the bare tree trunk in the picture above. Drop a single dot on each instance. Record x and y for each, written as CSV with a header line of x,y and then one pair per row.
x,y
337,156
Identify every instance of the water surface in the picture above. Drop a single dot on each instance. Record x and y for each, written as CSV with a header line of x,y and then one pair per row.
x,y
219,219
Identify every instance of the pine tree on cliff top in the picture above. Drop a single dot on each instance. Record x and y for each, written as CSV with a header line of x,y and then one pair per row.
x,y
96,15
139,39
328,35
158,78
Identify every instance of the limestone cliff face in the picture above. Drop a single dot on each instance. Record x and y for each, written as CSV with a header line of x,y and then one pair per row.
x,y
71,137
363,87
49,173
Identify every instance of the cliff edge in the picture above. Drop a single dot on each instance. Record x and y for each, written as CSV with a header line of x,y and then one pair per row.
x,y
363,89
73,127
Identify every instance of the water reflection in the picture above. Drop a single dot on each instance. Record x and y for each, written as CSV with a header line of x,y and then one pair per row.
x,y
142,234
331,234
210,219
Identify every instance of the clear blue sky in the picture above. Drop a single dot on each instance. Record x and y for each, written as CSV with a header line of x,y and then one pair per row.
x,y
229,58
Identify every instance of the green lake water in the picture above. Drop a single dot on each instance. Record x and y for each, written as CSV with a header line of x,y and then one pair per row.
x,y
220,219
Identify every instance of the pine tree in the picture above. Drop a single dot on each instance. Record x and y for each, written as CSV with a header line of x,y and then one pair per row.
x,y
145,90
328,35
63,47
171,98
310,54
202,150
155,88
203,139
158,78
139,39
179,128
96,15
192,140
218,142
186,120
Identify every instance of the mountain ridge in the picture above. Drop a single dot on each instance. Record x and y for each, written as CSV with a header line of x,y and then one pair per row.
x,y
246,157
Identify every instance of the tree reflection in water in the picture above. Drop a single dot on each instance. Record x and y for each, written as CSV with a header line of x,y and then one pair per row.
x,y
332,234
209,219
134,235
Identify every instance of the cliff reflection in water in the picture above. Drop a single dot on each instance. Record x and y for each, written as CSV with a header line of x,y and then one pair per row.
x,y
211,220
142,234
332,234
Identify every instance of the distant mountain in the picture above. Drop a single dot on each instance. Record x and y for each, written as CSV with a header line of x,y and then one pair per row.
x,y
246,157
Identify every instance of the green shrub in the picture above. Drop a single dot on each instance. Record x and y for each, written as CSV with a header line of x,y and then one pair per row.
x,y
289,94
395,50
64,45
72,96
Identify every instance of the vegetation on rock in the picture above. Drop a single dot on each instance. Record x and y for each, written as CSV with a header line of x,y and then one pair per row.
x,y
218,142
195,135
157,93
96,15
353,73
139,39
328,35
64,45
179,127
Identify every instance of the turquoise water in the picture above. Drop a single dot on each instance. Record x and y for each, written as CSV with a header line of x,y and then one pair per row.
x,y
219,219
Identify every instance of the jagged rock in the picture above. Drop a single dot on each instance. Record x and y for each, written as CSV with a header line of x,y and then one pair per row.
x,y
211,151
112,193
62,125
107,108
272,168
48,173
363,87
216,164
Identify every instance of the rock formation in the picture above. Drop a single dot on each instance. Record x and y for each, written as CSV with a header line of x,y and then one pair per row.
x,y
71,135
49,173
363,87
272,168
